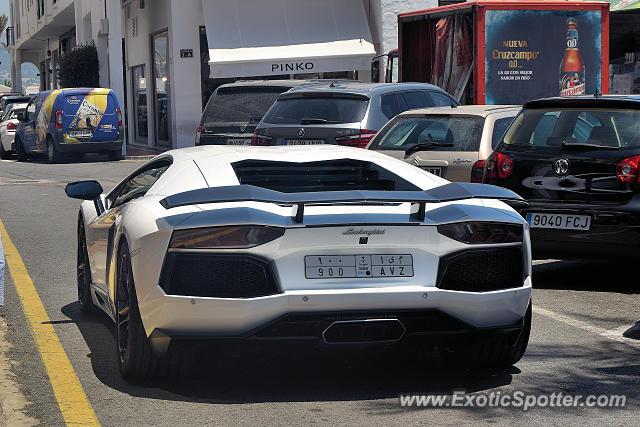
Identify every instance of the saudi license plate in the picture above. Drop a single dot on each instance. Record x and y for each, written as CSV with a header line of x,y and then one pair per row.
x,y
303,141
435,171
559,221
80,134
358,266
238,141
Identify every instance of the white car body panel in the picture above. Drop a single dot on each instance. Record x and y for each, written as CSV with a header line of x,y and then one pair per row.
x,y
147,227
7,136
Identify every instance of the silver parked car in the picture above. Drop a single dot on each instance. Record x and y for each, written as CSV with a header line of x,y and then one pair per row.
x,y
343,113
449,142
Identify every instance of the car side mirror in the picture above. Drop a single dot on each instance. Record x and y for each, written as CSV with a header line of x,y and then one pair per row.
x,y
86,190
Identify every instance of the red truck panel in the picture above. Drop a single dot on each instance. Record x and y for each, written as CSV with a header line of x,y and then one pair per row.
x,y
416,38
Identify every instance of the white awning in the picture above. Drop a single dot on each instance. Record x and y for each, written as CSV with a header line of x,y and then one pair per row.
x,y
259,38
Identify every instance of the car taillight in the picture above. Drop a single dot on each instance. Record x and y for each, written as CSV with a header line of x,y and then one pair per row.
x,y
59,119
260,139
627,169
11,126
360,140
198,133
237,236
478,170
119,117
482,232
498,165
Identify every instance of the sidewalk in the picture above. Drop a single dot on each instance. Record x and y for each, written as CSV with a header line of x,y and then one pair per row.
x,y
141,152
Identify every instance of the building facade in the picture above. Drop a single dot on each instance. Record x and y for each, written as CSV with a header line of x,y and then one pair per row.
x,y
164,57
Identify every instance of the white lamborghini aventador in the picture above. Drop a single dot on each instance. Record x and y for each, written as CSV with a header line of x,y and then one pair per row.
x,y
337,245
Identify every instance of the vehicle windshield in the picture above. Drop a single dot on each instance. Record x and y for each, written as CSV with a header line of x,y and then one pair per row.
x,y
433,132
544,128
240,104
321,110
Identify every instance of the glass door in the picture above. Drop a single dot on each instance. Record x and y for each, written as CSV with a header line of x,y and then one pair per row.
x,y
161,101
140,103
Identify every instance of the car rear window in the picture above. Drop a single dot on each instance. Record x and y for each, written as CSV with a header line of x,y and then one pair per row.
x,y
13,113
319,110
544,128
329,175
436,132
240,104
499,128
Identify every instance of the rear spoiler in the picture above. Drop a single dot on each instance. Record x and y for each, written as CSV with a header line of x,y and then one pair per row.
x,y
250,193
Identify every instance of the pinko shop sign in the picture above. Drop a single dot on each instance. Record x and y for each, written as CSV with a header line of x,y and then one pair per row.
x,y
285,67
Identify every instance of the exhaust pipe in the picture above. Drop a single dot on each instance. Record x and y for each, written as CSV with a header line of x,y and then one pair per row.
x,y
364,331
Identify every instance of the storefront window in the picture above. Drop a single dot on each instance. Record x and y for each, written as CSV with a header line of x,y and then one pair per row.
x,y
140,103
161,99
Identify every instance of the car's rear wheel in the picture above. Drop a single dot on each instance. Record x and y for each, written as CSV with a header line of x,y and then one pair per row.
x,y
84,272
136,359
491,352
53,155
4,155
21,155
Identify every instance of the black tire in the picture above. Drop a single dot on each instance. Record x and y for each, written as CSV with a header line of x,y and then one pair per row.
x,y
21,155
4,155
135,357
115,155
84,272
490,352
53,155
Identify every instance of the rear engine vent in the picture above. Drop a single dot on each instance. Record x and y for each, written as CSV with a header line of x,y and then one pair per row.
x,y
482,270
329,175
215,275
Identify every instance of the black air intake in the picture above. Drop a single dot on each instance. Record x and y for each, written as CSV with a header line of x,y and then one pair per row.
x,y
216,275
482,270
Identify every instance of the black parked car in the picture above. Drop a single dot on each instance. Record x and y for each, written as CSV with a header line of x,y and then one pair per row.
x,y
577,162
234,110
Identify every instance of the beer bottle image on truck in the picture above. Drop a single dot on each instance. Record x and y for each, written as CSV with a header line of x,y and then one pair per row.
x,y
572,69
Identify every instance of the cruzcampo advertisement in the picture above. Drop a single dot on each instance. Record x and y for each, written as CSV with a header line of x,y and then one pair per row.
x,y
533,54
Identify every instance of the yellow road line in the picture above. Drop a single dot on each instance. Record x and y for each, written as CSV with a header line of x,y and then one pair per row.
x,y
73,402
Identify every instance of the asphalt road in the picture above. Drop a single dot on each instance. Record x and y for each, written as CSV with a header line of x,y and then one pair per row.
x,y
582,310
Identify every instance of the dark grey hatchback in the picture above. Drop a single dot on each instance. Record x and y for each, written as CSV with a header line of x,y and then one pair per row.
x,y
577,163
234,110
344,113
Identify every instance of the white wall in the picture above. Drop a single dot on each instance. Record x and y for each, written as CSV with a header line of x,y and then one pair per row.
x,y
186,86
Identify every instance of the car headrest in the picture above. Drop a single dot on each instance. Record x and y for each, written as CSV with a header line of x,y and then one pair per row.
x,y
603,135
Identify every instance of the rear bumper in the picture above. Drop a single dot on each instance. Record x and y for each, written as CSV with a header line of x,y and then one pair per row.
x,y
300,311
223,139
8,141
90,147
614,232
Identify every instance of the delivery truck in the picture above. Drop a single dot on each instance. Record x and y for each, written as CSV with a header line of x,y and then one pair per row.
x,y
505,52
